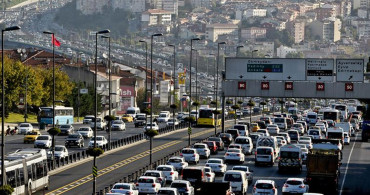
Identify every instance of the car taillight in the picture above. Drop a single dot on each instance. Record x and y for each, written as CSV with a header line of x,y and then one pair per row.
x,y
193,155
208,175
137,184
273,189
187,189
302,186
326,137
153,185
286,185
220,166
238,154
227,154
299,159
129,193
160,179
171,173
180,154
279,158
255,153
272,153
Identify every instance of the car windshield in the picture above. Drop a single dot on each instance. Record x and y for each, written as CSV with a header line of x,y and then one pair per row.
x,y
214,161
164,169
59,148
97,138
232,177
187,151
83,129
207,169
232,131
73,136
145,180
117,122
264,151
43,138
264,186
140,118
199,146
166,192
233,150
64,126
225,135
240,168
313,133
214,139
121,187
239,127
279,120
162,115
152,174
175,160
32,133
286,154
242,141
23,125
294,182
178,185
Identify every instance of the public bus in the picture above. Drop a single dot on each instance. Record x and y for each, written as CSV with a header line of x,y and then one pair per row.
x,y
331,114
27,170
343,111
63,115
208,118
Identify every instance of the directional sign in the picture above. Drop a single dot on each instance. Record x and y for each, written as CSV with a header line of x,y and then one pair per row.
x,y
320,86
265,85
265,69
288,86
350,70
348,87
319,69
84,91
242,85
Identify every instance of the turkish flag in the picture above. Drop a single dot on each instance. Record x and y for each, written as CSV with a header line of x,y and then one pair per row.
x,y
55,41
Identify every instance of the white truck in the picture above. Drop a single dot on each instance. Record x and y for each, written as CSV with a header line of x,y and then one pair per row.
x,y
290,158
347,127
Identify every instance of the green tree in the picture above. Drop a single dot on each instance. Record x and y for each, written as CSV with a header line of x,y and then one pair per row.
x,y
87,101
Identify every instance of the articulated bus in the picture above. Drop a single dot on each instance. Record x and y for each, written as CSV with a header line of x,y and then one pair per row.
x,y
331,114
207,118
27,171
63,115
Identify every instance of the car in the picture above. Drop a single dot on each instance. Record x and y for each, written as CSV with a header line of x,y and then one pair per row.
x,y
31,136
227,138
212,146
124,188
152,126
264,154
172,121
299,127
267,187
43,141
306,140
85,132
59,152
100,141
24,128
190,155
178,162
219,142
234,132
285,135
66,129
234,154
169,172
183,186
265,132
217,165
315,133
246,170
294,135
118,125
304,150
167,191
237,146
347,139
273,129
195,175
140,121
322,126
294,186
238,181
146,184
202,150
281,140
209,174
75,139
158,174
127,118
246,143
243,129
254,136
255,127
87,119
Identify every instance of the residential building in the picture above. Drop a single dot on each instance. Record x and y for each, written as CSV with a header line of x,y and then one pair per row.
x,y
154,17
201,3
255,13
282,51
363,31
214,30
253,33
328,29
361,4
325,12
171,6
296,30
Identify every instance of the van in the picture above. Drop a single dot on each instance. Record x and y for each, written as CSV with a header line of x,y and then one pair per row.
x,y
133,111
264,155
269,141
347,127
335,133
163,116
100,124
243,129
195,175
311,118
290,158
246,143
294,135
234,132
281,123
315,133
238,181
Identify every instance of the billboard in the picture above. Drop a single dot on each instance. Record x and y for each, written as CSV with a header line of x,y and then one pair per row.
x,y
128,91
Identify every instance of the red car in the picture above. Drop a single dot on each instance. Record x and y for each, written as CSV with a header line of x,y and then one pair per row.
x,y
212,146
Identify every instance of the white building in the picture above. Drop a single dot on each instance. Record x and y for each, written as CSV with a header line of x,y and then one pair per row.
x,y
255,13
201,3
171,5
156,17
214,30
282,51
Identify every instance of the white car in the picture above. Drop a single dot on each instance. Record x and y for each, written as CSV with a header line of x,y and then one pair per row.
x,y
59,152
246,170
190,155
286,136
43,141
238,181
321,126
202,150
295,185
178,162
265,187
264,132
24,128
153,126
299,127
246,143
146,184
118,125
172,121
347,139
165,191
306,140
124,188
273,129
100,141
86,132
169,172
183,186
234,154
210,174
237,146
88,119
217,165
281,140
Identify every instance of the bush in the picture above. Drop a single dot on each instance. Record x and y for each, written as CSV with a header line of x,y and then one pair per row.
x,y
196,104
94,151
6,190
173,106
216,112
263,103
146,111
54,131
151,133
109,118
235,107
240,102
229,102
189,119
251,104
213,102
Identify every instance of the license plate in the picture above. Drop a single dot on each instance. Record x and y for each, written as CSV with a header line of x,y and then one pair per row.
x,y
192,180
144,190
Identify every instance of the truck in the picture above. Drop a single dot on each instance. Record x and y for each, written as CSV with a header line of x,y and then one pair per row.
x,y
323,166
290,157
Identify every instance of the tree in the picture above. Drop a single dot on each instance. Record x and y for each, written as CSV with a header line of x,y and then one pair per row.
x,y
295,55
87,101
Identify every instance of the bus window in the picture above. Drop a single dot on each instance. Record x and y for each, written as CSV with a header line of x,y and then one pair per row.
x,y
29,170
39,170
20,176
11,180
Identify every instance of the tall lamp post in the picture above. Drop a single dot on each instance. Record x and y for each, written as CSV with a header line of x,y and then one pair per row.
x,y
238,50
191,59
253,52
110,89
216,75
96,99
151,94
196,83
174,82
3,178
79,87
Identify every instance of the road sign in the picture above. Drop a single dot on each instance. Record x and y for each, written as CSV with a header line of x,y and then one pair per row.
x,y
319,69
265,85
320,86
288,85
265,69
242,85
182,77
348,87
84,91
95,171
350,70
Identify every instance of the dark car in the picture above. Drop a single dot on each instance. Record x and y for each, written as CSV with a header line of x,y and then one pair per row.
x,y
219,142
75,139
294,135
234,132
140,121
196,175
227,138
66,129
262,124
212,146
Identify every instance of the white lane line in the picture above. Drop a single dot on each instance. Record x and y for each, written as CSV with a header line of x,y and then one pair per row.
x,y
345,173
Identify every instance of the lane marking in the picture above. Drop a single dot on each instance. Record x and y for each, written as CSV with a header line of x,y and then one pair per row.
x,y
345,173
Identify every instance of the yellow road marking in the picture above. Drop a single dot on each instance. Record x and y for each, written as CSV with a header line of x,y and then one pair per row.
x,y
120,164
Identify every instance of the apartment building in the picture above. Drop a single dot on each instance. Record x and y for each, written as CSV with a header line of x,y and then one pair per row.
x,y
214,30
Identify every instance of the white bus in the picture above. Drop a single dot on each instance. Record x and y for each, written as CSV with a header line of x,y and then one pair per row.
x,y
331,114
27,170
343,111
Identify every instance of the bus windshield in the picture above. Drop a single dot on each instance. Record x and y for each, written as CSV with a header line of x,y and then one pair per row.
x,y
341,108
331,115
205,114
46,112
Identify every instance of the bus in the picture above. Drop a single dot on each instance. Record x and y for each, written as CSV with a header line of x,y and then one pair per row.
x,y
331,114
343,111
208,118
63,115
27,170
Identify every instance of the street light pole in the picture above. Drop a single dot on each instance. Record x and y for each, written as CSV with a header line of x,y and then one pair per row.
x,y
174,82
216,86
151,95
253,52
3,178
238,50
196,84
191,58
96,100
146,77
109,91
